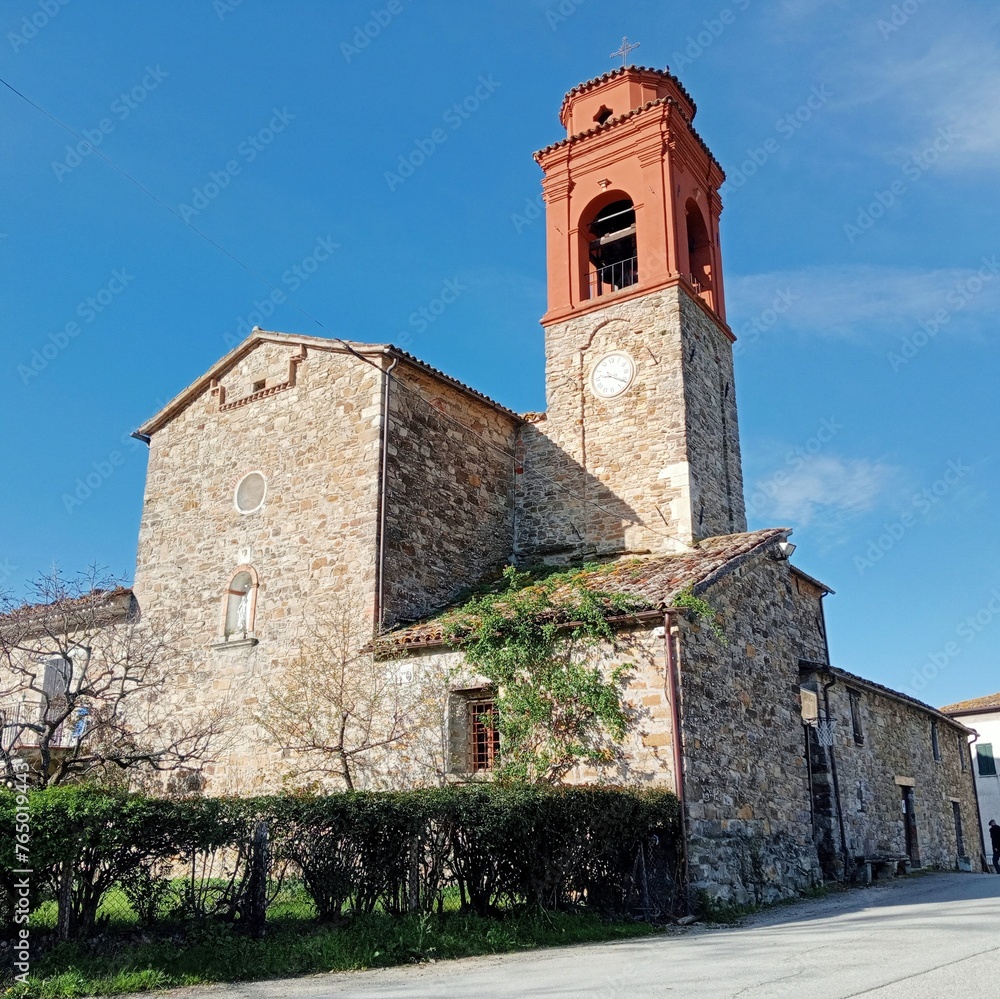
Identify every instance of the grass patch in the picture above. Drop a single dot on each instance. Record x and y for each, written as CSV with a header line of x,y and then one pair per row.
x,y
116,963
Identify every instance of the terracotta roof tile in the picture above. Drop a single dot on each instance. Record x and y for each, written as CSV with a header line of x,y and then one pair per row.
x,y
991,702
438,373
628,115
99,606
843,674
654,580
582,88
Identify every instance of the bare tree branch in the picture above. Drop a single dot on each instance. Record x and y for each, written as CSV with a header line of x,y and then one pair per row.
x,y
83,687
343,715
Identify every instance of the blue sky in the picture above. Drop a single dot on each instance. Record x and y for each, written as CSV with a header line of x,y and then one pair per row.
x,y
859,243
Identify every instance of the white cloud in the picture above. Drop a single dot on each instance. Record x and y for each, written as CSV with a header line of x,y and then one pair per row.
x,y
864,302
921,82
836,487
955,83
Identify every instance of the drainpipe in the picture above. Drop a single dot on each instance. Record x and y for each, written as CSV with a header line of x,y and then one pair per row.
x,y
826,637
140,437
833,773
381,513
809,776
673,681
974,737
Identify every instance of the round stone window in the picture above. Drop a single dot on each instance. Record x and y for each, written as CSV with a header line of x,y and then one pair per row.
x,y
250,492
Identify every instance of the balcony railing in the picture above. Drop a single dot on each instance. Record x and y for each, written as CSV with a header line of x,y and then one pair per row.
x,y
15,732
613,277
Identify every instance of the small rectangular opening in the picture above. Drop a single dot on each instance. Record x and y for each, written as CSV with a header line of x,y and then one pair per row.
x,y
854,698
259,386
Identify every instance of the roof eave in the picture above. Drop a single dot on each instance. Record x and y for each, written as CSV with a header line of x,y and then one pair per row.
x,y
658,605
962,712
810,579
880,689
226,362
331,345
597,81
621,119
774,535
403,355
92,610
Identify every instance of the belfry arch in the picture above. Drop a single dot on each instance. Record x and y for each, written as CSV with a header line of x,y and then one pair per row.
x,y
699,247
608,231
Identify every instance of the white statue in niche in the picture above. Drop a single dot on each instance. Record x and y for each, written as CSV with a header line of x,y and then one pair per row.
x,y
243,613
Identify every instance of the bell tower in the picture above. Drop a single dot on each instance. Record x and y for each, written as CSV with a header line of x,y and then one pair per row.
x,y
641,411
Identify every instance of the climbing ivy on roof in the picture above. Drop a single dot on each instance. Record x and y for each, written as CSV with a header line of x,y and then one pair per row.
x,y
703,611
535,639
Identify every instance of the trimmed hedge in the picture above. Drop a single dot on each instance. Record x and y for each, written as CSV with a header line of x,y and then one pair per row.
x,y
609,850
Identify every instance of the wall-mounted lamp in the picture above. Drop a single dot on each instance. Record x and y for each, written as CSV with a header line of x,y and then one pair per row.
x,y
783,551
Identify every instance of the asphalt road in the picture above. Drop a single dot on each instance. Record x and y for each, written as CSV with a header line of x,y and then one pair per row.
x,y
921,938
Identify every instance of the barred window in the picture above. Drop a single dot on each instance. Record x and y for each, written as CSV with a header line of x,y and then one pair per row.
x,y
484,736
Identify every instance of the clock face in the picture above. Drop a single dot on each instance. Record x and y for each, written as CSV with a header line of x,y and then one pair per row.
x,y
613,373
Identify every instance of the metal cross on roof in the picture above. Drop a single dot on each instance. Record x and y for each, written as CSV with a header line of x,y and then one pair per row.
x,y
624,50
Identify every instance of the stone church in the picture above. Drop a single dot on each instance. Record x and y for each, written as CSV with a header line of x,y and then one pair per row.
x,y
298,469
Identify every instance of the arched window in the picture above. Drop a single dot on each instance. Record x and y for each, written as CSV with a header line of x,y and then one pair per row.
x,y
612,249
699,250
240,604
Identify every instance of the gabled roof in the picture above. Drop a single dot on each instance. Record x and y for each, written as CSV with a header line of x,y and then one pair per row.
x,y
860,681
977,705
98,607
652,580
259,336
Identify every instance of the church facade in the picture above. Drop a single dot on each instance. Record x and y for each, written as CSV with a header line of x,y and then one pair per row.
x,y
299,470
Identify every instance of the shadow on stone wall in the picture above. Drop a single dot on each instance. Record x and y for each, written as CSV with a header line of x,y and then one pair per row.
x,y
563,513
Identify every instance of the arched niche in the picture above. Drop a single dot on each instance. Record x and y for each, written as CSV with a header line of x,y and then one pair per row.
x,y
609,251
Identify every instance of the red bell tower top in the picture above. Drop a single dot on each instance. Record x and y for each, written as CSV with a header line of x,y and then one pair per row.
x,y
632,196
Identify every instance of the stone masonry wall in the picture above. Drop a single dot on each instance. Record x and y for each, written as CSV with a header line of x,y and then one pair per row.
x,y
564,512
896,751
745,771
317,443
713,436
808,618
650,469
449,494
645,755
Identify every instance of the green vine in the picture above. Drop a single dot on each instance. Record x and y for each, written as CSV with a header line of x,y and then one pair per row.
x,y
703,611
533,640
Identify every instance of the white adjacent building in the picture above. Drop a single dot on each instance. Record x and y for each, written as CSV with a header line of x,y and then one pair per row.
x,y
983,715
